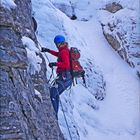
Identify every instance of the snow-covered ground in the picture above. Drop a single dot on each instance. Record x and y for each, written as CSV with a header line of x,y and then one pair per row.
x,y
117,116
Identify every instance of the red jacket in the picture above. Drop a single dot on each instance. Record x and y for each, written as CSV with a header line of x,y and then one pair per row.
x,y
63,61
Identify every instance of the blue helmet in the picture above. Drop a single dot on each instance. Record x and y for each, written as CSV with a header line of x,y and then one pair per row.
x,y
59,39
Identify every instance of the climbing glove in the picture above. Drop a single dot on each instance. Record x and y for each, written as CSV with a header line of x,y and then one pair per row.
x,y
45,50
52,64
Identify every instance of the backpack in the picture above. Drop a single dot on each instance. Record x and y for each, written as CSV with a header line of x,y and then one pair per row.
x,y
77,70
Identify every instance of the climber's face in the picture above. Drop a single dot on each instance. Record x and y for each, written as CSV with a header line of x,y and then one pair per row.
x,y
58,45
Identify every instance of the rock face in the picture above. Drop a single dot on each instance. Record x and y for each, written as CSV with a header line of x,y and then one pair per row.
x,y
122,33
24,114
113,7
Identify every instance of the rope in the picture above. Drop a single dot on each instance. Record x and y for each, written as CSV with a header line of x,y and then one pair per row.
x,y
50,76
65,119
40,49
38,44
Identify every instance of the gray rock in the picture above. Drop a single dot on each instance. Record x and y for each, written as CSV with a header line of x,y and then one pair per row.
x,y
112,41
67,9
23,115
113,7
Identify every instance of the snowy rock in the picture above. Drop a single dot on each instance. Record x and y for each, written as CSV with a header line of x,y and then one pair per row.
x,y
75,9
122,33
65,8
113,7
33,55
95,81
9,4
38,95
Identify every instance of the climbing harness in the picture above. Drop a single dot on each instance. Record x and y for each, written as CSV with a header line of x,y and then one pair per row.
x,y
51,77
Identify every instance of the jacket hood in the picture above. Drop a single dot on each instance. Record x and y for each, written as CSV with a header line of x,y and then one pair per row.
x,y
63,46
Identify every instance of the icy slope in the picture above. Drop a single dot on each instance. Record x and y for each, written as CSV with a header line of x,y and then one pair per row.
x,y
116,117
118,114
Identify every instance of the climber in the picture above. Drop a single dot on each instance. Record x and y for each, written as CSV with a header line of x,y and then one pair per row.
x,y
64,79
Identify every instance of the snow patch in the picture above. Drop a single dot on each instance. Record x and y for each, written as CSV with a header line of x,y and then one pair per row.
x,y
38,94
29,43
32,54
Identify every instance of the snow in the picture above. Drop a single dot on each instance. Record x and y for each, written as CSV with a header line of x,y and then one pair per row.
x,y
117,116
32,54
38,94
9,4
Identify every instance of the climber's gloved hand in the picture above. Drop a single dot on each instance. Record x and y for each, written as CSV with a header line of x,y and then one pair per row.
x,y
52,64
45,50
